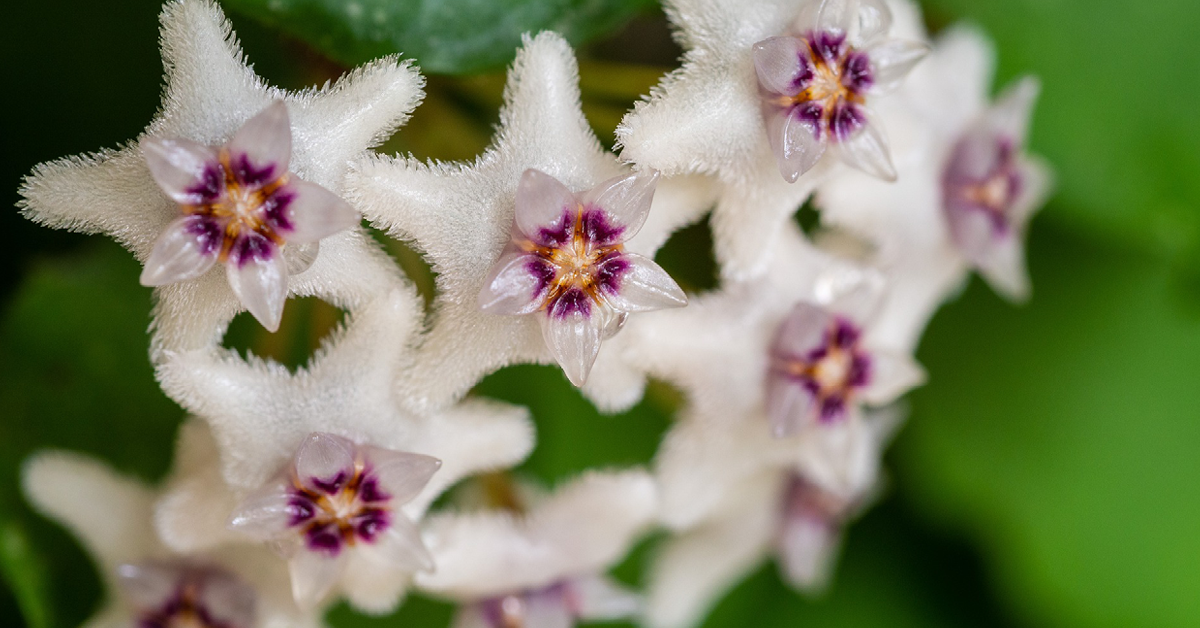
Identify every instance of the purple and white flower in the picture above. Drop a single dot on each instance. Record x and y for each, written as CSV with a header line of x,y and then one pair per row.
x,y
241,206
558,605
823,366
338,498
990,189
568,264
177,594
810,531
815,84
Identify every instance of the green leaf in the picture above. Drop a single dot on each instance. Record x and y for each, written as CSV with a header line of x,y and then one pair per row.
x,y
444,36
22,569
1063,438
1117,112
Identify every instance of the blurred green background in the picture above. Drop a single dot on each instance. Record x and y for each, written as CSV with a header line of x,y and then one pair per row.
x,y
1047,477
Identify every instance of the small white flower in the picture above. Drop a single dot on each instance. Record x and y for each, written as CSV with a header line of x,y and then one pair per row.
x,y
148,584
134,194
461,217
542,568
721,113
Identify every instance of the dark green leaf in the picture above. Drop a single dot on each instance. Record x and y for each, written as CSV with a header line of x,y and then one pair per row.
x,y
22,569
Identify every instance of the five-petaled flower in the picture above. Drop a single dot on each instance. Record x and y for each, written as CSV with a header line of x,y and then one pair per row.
x,y
815,84
241,207
990,189
176,594
822,366
335,498
567,262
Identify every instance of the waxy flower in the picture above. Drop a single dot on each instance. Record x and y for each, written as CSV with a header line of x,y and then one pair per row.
x,y
567,262
822,367
815,85
148,585
241,207
203,182
990,189
543,567
338,503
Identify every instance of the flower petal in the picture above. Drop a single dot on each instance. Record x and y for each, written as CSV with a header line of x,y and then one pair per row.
x,y
1037,179
625,198
807,549
1004,268
189,173
314,576
260,151
790,406
148,585
325,462
837,15
802,331
400,546
867,149
797,143
258,276
973,232
642,286
1011,113
300,257
541,203
779,63
892,375
229,601
313,213
892,60
599,598
265,513
574,341
517,284
185,250
546,611
401,475
874,20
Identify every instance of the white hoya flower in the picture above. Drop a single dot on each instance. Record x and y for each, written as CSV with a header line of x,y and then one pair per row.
x,y
226,172
764,87
544,164
966,191
543,567
733,496
264,421
148,584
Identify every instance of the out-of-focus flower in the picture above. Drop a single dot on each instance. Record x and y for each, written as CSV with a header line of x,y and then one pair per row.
x,y
210,94
461,217
708,116
168,594
567,262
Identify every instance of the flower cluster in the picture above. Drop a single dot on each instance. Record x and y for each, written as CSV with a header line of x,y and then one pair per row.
x,y
292,490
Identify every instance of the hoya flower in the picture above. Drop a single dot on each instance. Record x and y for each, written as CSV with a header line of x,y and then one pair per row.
x,y
262,417
567,264
764,87
461,217
544,567
241,207
147,583
733,496
822,365
335,504
134,194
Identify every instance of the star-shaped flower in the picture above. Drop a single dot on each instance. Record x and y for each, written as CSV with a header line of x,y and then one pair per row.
x,y
210,94
148,584
461,217
722,111
543,568
261,415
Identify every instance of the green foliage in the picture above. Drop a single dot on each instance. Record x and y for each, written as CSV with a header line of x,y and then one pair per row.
x,y
444,36
21,567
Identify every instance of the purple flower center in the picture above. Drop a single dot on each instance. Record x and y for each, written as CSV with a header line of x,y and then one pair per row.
x,y
830,86
832,372
186,608
993,192
331,513
577,261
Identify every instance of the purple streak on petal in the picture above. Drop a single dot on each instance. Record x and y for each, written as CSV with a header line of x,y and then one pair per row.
x,y
598,229
275,208
826,44
208,233
805,75
845,333
846,120
331,486
369,524
833,407
300,509
250,247
610,271
560,234
369,491
247,175
543,272
856,72
572,301
860,370
211,184
324,539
